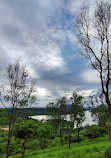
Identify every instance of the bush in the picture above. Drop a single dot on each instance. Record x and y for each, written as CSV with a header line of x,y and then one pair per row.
x,y
94,131
45,131
55,142
33,144
15,147
3,121
73,138
108,153
2,148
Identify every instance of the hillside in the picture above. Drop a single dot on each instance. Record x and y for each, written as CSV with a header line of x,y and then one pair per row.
x,y
93,148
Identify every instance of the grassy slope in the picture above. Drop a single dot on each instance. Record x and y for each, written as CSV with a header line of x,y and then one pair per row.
x,y
93,148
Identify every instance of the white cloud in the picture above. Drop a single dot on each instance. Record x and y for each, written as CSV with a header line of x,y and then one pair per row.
x,y
74,6
90,75
86,93
35,32
42,92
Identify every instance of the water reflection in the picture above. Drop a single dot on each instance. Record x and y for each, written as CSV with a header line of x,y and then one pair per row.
x,y
88,121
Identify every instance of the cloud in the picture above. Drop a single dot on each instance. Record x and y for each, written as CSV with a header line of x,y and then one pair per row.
x,y
86,93
42,92
90,76
40,35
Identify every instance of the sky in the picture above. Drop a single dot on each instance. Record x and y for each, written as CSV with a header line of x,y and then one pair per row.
x,y
41,35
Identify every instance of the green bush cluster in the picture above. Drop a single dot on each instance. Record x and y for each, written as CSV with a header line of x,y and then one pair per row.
x,y
45,137
108,152
94,131
73,137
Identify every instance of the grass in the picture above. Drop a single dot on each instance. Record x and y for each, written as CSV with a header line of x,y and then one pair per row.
x,y
90,148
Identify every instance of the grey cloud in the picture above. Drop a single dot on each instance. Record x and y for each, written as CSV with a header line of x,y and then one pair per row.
x,y
3,58
13,35
36,31
69,80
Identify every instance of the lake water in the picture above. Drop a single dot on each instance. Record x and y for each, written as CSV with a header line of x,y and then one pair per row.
x,y
88,121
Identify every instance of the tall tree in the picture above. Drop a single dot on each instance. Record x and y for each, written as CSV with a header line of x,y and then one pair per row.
x,y
45,132
77,111
19,93
25,129
94,34
58,114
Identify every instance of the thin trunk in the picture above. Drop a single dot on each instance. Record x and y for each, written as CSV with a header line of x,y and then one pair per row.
x,y
60,133
24,147
8,144
69,140
110,135
108,103
69,145
9,134
78,132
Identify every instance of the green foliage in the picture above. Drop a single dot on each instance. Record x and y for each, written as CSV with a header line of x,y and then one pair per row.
x,y
73,138
94,131
100,114
45,131
43,143
2,111
57,110
77,112
16,146
26,128
108,152
33,144
92,148
23,112
3,121
43,137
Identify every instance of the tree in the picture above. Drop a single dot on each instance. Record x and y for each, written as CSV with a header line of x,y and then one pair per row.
x,y
25,129
93,32
57,112
77,111
45,132
19,93
101,115
69,129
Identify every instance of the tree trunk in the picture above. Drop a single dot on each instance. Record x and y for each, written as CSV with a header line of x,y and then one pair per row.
x,y
8,147
78,132
9,141
10,133
60,133
108,103
69,141
110,135
24,147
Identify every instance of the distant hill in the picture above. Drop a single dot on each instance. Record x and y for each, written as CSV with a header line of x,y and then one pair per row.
x,y
88,108
31,111
24,112
69,106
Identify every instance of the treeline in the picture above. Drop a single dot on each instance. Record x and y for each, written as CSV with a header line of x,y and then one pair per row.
x,y
23,112
31,111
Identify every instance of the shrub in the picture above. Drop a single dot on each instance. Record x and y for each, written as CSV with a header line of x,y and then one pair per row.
x,y
33,144
108,152
73,138
94,131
